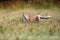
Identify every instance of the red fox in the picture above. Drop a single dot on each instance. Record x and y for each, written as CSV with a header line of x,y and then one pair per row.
x,y
35,18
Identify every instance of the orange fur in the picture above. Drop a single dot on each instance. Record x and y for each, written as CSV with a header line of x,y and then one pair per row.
x,y
33,19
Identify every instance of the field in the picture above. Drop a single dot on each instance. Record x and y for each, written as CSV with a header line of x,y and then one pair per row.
x,y
13,26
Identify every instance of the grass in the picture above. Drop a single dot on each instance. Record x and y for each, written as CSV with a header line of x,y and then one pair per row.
x,y
13,26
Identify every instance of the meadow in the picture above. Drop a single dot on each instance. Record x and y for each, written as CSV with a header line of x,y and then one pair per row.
x,y
14,27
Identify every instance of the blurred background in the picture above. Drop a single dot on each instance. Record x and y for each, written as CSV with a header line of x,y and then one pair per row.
x,y
29,3
14,27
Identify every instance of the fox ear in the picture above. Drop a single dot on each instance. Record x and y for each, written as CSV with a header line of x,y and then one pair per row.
x,y
25,18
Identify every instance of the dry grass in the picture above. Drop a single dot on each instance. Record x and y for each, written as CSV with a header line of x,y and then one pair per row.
x,y
13,26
